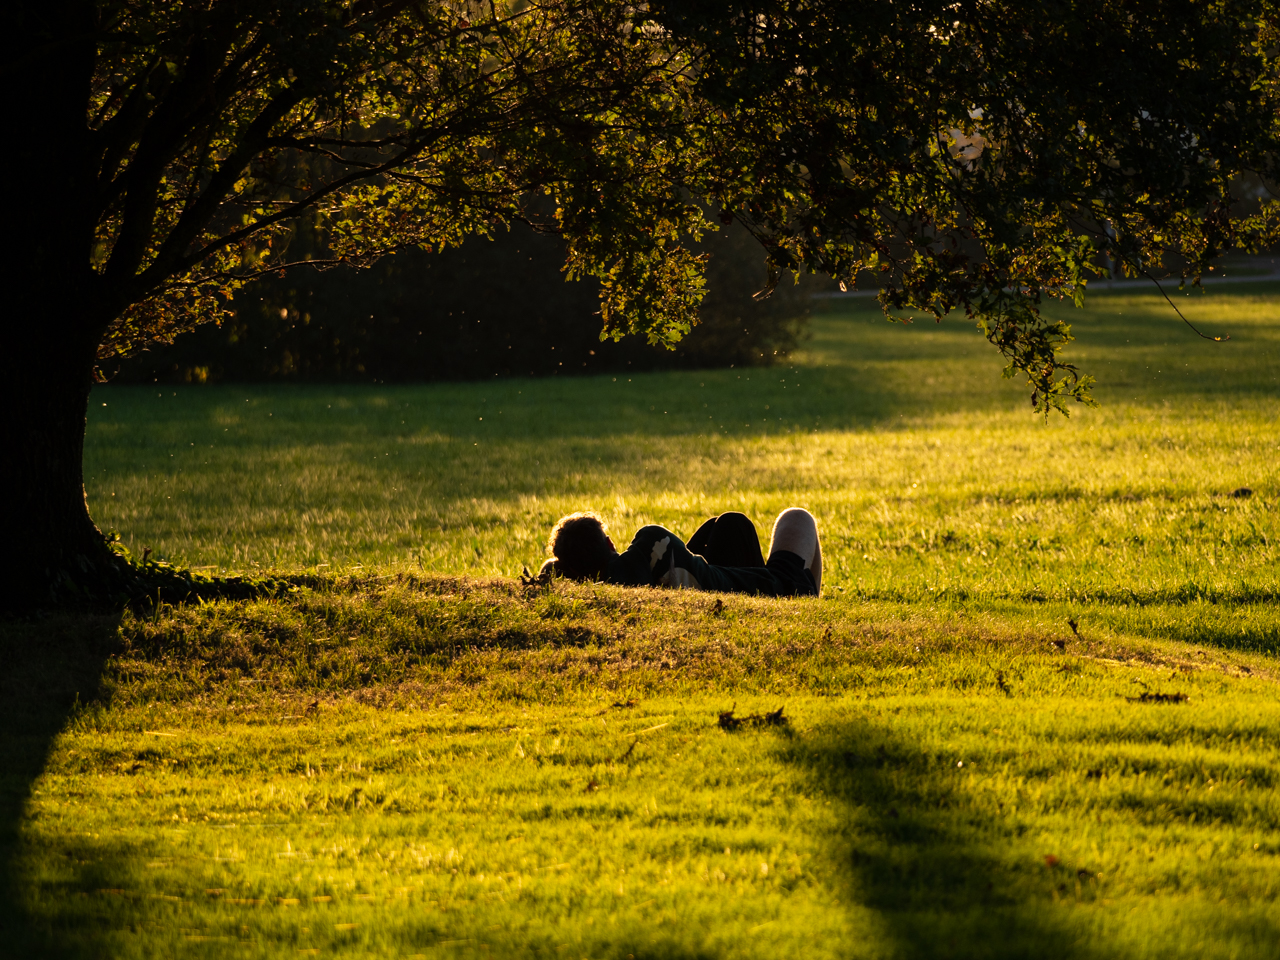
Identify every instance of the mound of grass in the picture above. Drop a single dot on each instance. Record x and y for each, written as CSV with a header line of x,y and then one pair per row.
x,y
446,766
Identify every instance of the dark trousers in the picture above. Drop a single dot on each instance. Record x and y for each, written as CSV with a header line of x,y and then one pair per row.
x,y
729,540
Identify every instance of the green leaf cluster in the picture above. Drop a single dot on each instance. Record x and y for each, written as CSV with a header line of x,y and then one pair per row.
x,y
974,156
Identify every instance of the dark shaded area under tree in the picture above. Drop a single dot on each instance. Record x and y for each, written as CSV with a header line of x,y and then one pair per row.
x,y
499,307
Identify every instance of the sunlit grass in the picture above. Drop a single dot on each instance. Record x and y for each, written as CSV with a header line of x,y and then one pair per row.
x,y
927,471
395,767
403,758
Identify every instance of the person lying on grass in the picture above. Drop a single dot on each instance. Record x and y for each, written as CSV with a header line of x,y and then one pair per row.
x,y
723,555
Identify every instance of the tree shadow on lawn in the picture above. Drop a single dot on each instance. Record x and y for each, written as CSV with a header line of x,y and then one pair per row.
x,y
48,668
947,878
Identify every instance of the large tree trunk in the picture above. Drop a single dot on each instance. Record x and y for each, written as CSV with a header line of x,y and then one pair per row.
x,y
55,553
52,314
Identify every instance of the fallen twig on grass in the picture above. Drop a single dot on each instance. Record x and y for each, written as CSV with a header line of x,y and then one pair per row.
x,y
1159,698
637,738
728,721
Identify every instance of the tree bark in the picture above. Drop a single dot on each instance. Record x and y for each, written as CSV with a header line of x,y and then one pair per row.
x,y
52,314
56,555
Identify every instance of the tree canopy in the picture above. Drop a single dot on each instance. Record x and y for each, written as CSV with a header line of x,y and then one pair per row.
x,y
389,124
979,154
982,155
976,155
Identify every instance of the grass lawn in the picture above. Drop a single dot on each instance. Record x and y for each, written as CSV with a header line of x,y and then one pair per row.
x,y
414,755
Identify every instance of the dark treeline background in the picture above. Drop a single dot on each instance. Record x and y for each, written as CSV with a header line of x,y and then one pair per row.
x,y
498,307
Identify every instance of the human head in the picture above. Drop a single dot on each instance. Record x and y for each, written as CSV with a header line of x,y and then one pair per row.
x,y
581,546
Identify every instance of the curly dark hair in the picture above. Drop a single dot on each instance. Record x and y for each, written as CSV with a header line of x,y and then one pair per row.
x,y
580,546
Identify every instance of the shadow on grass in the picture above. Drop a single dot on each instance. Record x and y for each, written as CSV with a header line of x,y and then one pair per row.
x,y
948,879
47,669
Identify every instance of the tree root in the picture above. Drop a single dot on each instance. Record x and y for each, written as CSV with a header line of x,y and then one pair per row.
x,y
112,579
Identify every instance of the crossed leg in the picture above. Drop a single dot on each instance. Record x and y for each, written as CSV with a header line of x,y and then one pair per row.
x,y
797,531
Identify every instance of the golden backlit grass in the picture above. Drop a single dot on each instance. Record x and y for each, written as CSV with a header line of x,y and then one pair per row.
x,y
411,754
928,473
398,766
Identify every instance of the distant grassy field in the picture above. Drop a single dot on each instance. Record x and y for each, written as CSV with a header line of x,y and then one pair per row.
x,y
412,755
929,474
